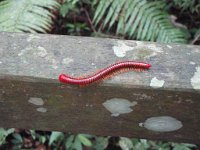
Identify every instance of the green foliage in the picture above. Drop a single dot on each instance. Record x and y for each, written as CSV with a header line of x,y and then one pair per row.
x,y
67,6
55,136
17,141
27,15
76,28
76,142
69,22
59,140
100,143
143,144
4,133
177,146
139,19
72,5
191,5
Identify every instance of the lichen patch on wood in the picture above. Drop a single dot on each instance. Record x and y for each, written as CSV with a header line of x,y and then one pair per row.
x,y
41,52
169,46
41,109
156,83
192,63
67,61
162,124
195,80
121,49
119,106
145,50
36,101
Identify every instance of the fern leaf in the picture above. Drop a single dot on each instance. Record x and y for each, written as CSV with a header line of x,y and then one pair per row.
x,y
27,15
121,24
103,5
111,12
148,9
140,19
120,3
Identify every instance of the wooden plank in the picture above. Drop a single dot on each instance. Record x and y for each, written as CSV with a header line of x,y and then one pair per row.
x,y
31,96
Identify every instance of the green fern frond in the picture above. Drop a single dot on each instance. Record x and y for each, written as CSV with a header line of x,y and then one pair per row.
x,y
139,19
27,15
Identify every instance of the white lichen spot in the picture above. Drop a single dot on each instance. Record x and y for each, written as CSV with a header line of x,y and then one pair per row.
x,y
66,61
155,83
93,64
121,49
195,80
41,109
31,37
192,63
42,52
119,106
162,124
196,50
154,47
169,46
0,62
141,124
36,101
139,43
23,52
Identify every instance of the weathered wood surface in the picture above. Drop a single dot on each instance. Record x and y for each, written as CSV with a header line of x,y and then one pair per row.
x,y
31,96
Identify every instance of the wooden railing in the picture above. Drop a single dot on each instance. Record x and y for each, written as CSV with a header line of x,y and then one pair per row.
x,y
160,103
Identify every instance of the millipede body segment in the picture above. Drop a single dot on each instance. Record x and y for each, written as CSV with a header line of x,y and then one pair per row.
x,y
104,72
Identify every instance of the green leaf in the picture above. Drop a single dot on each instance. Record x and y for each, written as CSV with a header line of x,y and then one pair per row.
x,y
4,133
84,140
55,136
111,12
69,141
140,19
27,16
33,134
77,144
9,131
116,12
18,139
67,7
100,143
42,139
103,4
125,143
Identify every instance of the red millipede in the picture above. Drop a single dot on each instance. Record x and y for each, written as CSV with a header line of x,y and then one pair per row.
x,y
104,72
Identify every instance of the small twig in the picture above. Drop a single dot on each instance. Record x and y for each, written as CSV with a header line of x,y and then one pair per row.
x,y
196,39
89,20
